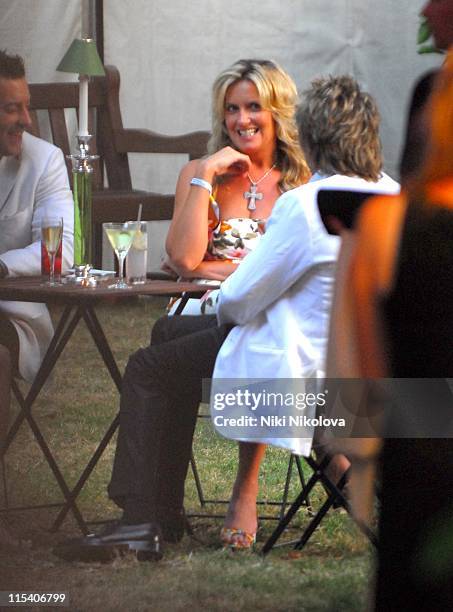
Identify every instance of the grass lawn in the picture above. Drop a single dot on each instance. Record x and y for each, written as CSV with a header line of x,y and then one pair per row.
x,y
332,573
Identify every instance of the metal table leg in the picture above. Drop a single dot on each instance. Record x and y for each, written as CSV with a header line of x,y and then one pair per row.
x,y
68,321
105,351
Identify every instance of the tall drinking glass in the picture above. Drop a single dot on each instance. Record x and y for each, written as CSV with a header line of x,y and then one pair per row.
x,y
51,233
120,236
137,258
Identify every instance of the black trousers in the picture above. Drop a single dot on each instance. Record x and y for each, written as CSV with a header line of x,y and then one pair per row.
x,y
161,391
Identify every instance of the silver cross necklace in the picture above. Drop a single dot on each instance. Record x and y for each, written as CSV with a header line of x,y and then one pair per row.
x,y
253,194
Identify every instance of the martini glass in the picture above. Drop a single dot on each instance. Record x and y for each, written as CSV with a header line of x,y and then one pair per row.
x,y
120,236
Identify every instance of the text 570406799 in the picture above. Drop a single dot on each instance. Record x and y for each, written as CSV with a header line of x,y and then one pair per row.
x,y
19,599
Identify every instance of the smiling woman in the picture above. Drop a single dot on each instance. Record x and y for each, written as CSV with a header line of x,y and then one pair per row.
x,y
254,157
250,128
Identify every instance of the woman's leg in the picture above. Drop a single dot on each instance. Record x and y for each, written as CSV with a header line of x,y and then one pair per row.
x,y
241,512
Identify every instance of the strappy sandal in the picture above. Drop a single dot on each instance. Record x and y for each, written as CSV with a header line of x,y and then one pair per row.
x,y
237,539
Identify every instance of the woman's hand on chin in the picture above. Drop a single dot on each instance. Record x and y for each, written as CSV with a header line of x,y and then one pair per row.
x,y
223,162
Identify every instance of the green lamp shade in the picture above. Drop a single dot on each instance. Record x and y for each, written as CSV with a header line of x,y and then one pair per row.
x,y
82,58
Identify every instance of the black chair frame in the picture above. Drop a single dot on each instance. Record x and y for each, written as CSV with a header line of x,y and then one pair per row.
x,y
335,497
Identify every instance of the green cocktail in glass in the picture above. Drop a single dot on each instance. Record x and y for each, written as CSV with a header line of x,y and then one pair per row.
x,y
120,236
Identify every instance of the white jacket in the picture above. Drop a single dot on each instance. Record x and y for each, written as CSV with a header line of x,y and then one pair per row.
x,y
281,294
32,186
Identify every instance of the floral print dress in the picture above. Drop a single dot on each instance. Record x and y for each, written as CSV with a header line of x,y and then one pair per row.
x,y
233,239
228,240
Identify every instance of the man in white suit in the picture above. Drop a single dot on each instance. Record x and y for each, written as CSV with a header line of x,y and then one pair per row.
x,y
33,183
272,322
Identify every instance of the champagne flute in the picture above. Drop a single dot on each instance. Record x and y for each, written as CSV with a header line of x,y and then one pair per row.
x,y
51,234
120,236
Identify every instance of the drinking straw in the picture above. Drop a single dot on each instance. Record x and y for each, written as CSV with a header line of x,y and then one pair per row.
x,y
139,216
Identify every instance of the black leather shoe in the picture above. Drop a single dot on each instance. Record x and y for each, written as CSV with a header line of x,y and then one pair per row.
x,y
144,540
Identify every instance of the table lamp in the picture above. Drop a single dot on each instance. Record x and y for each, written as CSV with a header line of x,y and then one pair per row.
x,y
82,58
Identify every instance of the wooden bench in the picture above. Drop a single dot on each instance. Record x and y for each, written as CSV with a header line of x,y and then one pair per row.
x,y
114,198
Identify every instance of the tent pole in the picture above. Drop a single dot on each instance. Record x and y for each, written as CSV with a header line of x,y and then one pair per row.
x,y
98,16
93,23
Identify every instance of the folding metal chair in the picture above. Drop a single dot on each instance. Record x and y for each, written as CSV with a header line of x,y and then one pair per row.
x,y
335,497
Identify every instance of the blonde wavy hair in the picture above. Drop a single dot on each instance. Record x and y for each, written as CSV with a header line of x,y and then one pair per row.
x,y
278,94
339,128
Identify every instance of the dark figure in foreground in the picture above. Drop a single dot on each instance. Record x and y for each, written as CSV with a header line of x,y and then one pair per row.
x,y
403,291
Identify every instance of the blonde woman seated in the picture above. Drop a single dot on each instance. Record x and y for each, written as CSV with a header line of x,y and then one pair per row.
x,y
223,199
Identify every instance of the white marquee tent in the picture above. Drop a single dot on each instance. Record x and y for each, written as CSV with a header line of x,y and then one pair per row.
x,y
169,53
